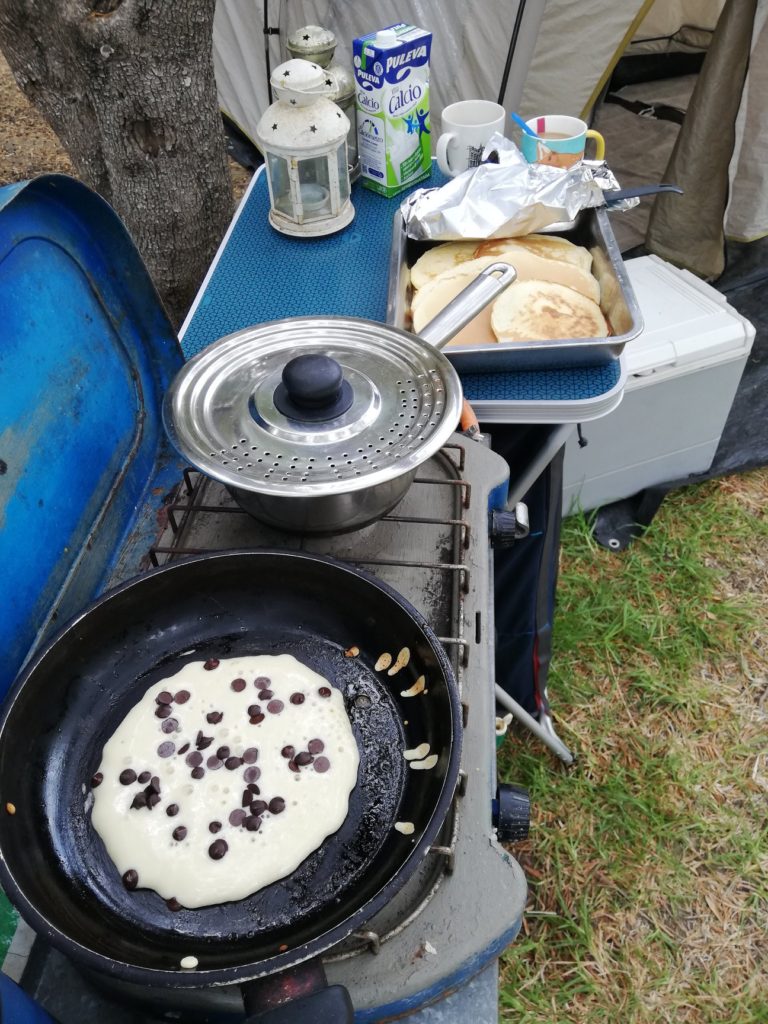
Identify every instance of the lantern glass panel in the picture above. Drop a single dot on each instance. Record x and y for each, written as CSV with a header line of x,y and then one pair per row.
x,y
315,187
281,184
343,172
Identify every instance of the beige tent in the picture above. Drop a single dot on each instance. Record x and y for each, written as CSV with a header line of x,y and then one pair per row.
x,y
720,156
563,56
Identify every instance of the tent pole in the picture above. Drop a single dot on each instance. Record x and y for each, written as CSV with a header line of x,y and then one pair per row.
x,y
267,33
511,50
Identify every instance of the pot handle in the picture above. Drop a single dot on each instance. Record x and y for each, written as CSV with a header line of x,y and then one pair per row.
x,y
488,284
330,1005
298,995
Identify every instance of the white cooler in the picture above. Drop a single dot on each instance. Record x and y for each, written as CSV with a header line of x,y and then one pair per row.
x,y
682,375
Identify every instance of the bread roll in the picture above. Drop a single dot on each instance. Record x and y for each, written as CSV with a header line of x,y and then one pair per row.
x,y
531,267
442,257
542,310
549,247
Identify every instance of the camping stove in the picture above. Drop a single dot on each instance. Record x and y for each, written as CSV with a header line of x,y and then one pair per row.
x,y
432,953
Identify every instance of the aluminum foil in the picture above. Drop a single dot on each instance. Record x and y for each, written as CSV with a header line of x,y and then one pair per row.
x,y
506,196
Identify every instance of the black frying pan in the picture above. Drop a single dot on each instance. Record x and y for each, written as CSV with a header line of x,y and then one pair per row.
x,y
69,700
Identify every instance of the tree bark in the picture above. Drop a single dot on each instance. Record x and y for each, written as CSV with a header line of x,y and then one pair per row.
x,y
128,87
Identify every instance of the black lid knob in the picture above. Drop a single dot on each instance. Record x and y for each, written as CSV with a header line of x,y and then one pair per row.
x,y
313,389
312,380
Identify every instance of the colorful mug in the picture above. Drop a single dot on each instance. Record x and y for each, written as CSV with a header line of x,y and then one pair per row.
x,y
560,140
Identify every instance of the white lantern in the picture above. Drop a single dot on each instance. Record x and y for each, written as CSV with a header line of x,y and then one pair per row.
x,y
304,140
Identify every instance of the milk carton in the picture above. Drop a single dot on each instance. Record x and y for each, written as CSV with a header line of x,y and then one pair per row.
x,y
392,103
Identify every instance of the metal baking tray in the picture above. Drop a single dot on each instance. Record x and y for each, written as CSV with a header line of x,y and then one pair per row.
x,y
592,229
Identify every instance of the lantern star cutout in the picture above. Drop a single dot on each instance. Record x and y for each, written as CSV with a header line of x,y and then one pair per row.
x,y
274,127
286,73
313,128
306,38
328,81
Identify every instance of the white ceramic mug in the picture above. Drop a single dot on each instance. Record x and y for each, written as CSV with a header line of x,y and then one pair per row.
x,y
467,127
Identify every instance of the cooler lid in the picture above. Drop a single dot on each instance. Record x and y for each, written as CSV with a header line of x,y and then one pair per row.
x,y
687,322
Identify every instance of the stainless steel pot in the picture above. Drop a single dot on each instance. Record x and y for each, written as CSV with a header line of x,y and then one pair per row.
x,y
319,424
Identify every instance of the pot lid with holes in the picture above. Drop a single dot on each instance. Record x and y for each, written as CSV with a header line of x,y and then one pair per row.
x,y
313,406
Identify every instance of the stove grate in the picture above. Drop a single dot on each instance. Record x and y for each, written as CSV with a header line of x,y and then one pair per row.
x,y
189,504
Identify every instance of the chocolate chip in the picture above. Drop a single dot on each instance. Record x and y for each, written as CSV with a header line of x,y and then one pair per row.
x,y
214,826
252,773
217,849
254,709
276,805
170,725
214,717
166,749
139,801
257,719
127,776
247,798
258,807
223,753
251,755
261,681
162,710
253,787
172,810
130,879
293,766
182,696
214,762
145,777
184,749
232,762
304,758
153,799
173,904
197,773
164,698
288,751
265,694
324,691
237,817
211,664
194,759
252,823
96,780
322,764
238,685
315,746
154,785
297,698
275,707
203,742
179,833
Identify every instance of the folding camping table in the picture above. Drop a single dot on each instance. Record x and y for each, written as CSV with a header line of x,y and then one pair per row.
x,y
259,275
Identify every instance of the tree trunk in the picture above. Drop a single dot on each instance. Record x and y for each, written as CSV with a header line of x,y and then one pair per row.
x,y
128,87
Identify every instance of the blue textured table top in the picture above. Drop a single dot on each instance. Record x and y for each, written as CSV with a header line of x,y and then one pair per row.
x,y
261,275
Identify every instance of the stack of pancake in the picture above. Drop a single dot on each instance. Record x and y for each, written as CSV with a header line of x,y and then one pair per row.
x,y
554,295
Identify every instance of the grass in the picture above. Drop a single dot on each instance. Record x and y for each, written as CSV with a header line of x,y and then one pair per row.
x,y
648,863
